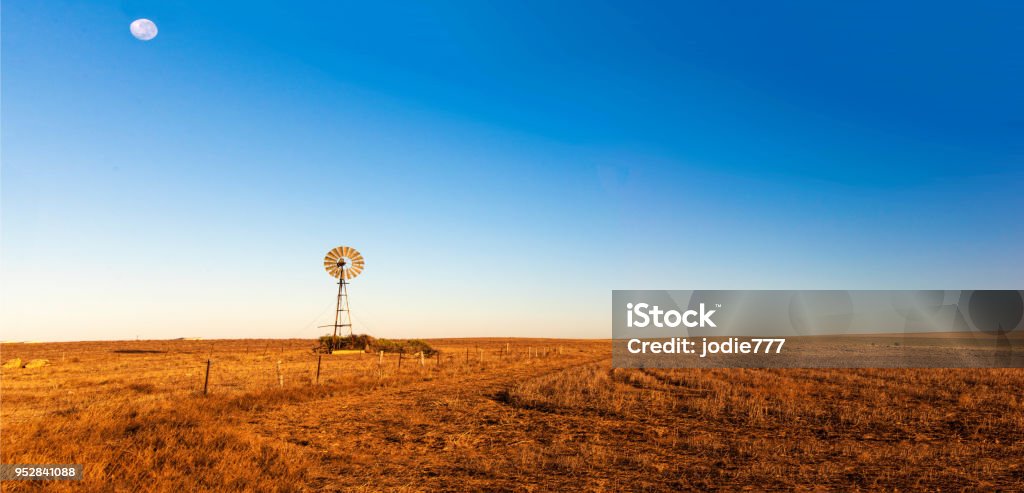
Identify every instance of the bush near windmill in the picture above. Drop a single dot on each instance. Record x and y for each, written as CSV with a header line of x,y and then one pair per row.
x,y
371,344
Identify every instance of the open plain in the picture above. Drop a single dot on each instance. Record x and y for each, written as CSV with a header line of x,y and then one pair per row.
x,y
494,415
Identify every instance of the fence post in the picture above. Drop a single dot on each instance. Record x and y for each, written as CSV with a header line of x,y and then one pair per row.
x,y
422,359
318,357
280,377
380,359
467,356
400,359
206,381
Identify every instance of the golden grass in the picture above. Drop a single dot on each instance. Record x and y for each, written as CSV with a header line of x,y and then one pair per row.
x,y
538,419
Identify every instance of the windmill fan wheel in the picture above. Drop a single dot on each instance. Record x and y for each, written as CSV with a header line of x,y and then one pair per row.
x,y
344,262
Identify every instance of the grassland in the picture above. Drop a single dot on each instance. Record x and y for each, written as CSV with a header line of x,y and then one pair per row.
x,y
545,415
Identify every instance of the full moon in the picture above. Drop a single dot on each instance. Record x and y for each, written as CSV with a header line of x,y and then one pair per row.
x,y
143,29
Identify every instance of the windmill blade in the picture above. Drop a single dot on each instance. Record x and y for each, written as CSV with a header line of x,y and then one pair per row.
x,y
329,262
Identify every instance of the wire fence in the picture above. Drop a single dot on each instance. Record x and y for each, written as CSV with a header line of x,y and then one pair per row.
x,y
75,378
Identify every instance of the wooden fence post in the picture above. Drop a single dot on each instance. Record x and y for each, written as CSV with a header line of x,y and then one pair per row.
x,y
422,359
467,356
380,359
400,353
280,377
318,357
206,381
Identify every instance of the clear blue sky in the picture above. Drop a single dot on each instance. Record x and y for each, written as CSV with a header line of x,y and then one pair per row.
x,y
502,166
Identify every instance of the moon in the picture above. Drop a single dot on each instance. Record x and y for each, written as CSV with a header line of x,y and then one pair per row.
x,y
143,29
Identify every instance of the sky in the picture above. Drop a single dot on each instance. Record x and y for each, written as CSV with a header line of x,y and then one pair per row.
x,y
502,166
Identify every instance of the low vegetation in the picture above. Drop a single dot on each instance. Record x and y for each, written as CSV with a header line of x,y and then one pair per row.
x,y
495,415
370,344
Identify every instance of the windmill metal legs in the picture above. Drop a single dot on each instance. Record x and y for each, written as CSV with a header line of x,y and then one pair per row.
x,y
342,315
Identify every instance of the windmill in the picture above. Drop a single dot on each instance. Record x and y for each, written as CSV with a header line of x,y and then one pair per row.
x,y
343,263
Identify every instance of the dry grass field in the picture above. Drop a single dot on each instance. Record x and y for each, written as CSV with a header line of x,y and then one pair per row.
x,y
549,415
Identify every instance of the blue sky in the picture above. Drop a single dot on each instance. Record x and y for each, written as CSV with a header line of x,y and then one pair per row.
x,y
502,166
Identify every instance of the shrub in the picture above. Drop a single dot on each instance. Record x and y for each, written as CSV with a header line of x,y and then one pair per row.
x,y
372,344
357,341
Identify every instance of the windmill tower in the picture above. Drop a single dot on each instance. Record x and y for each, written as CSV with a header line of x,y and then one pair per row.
x,y
343,263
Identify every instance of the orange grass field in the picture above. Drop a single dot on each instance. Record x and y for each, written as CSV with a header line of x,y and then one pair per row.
x,y
547,415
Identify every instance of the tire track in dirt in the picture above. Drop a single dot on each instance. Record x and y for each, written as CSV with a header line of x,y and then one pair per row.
x,y
354,434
